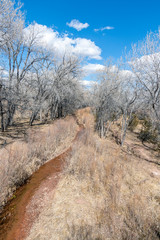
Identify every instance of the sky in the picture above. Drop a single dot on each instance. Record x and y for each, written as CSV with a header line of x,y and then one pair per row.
x,y
102,28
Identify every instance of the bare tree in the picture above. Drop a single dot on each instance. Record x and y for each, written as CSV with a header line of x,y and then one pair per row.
x,y
127,101
19,51
38,89
11,20
106,94
66,86
53,88
116,97
122,92
145,64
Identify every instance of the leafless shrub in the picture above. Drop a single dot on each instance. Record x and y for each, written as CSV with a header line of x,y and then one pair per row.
x,y
101,195
20,159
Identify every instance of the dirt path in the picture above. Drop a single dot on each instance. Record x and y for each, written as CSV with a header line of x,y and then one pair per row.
x,y
28,201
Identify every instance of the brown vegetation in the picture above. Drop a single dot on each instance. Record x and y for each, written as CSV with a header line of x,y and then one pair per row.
x,y
103,193
20,159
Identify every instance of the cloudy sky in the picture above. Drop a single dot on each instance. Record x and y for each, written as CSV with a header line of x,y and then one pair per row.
x,y
94,30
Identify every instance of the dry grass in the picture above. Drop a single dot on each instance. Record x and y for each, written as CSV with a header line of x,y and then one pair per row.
x,y
21,158
102,194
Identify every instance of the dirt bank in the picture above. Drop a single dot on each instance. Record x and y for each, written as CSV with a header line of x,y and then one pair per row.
x,y
28,200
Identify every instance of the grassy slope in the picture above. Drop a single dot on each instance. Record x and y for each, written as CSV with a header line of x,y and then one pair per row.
x,y
23,156
104,193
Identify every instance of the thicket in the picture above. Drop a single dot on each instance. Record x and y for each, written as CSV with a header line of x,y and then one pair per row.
x,y
33,81
101,195
128,88
22,158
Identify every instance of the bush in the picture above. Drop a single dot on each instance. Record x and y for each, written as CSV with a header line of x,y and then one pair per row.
x,y
133,123
100,195
148,134
20,159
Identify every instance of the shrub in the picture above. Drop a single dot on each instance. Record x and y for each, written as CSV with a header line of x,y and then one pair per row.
x,y
97,198
20,159
147,133
133,122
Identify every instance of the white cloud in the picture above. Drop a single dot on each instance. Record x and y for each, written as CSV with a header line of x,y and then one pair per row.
x,y
146,60
92,68
85,47
88,83
77,25
126,74
63,44
97,68
104,28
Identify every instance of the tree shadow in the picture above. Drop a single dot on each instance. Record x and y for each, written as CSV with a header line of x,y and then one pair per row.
x,y
18,131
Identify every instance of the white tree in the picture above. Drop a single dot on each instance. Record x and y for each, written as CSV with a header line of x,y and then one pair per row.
x,y
54,88
116,97
127,101
66,85
145,64
106,96
19,53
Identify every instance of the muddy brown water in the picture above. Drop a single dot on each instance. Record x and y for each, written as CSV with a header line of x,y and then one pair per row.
x,y
15,222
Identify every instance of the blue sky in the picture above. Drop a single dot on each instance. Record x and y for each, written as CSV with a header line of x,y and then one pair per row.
x,y
131,21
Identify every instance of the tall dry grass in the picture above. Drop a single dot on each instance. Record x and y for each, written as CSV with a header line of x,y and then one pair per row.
x,y
20,159
102,194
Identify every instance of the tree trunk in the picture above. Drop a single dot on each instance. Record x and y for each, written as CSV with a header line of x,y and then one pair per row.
x,y
53,111
2,117
102,128
11,112
108,127
33,117
60,114
124,128
41,116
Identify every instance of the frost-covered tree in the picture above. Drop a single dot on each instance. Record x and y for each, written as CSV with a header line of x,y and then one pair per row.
x,y
145,64
116,96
